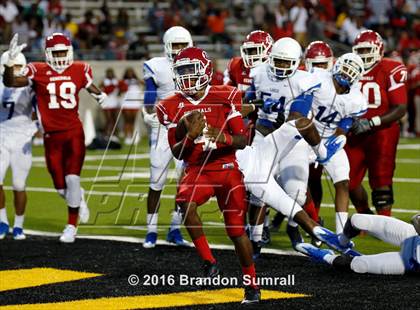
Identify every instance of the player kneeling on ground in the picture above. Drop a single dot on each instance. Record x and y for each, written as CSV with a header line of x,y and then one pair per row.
x,y
57,83
16,129
209,131
388,229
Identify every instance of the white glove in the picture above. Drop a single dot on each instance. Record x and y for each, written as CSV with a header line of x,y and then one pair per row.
x,y
150,119
100,98
14,50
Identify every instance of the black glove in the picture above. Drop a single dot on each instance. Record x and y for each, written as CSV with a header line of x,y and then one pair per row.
x,y
362,125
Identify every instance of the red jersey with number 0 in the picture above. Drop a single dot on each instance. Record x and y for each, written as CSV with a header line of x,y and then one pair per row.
x,y
219,106
237,74
384,86
58,93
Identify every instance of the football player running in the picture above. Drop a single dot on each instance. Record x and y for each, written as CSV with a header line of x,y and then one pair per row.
x,y
387,229
254,51
16,129
57,83
373,146
213,130
159,81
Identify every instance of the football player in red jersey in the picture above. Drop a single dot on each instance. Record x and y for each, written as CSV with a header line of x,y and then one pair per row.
x,y
254,51
374,143
213,130
57,83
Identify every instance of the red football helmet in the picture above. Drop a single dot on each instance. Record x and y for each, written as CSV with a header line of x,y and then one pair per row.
x,y
193,70
58,42
318,52
255,48
374,45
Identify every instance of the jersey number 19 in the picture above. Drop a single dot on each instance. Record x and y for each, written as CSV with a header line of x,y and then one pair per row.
x,y
66,91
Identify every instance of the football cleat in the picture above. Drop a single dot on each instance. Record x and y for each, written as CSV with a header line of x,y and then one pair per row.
x,y
18,234
211,270
266,235
294,235
83,210
69,234
150,241
333,145
314,240
252,295
332,240
4,229
316,254
175,236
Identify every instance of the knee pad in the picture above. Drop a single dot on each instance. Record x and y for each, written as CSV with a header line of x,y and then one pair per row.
x,y
73,191
359,264
19,186
382,198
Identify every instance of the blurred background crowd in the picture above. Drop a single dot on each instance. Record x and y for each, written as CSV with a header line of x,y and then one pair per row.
x,y
133,29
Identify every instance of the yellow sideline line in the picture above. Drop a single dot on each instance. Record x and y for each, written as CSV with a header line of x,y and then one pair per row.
x,y
207,297
22,278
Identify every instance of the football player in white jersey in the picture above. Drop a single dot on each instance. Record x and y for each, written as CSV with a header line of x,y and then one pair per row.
x,y
335,106
159,81
388,229
16,129
278,83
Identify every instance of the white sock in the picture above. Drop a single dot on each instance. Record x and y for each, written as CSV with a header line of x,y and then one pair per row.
x,y
267,218
256,232
176,220
329,258
152,221
3,216
292,223
19,221
340,221
320,150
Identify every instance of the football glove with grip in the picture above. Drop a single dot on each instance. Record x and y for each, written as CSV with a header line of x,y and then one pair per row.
x,y
270,105
14,50
100,98
150,119
363,124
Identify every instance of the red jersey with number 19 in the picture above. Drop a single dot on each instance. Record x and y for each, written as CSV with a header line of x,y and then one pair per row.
x,y
58,93
384,86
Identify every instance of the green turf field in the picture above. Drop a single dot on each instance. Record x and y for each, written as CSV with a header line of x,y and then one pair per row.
x,y
118,197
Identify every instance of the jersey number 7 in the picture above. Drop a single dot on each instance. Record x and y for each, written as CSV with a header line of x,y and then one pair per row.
x,y
66,91
9,105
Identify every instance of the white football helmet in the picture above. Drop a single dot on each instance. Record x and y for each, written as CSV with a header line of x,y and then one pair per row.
x,y
348,69
20,60
286,50
176,34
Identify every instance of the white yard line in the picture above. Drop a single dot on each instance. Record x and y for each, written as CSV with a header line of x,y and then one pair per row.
x,y
136,195
408,147
159,242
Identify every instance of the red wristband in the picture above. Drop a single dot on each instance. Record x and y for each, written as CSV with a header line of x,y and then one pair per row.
x,y
228,139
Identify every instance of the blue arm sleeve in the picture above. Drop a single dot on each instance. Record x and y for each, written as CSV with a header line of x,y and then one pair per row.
x,y
346,123
302,104
150,93
250,93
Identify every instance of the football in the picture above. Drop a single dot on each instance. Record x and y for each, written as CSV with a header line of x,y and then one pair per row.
x,y
182,128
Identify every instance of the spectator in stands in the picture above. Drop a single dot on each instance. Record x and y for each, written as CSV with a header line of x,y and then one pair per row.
x,y
299,18
258,15
282,15
111,86
21,27
55,8
87,32
71,26
216,25
8,12
155,17
123,19
351,27
51,26
106,29
138,49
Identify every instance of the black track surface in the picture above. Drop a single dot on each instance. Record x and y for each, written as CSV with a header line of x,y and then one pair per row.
x,y
328,288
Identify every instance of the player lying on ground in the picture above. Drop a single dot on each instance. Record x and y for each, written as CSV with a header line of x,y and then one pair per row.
x,y
57,83
206,139
388,229
16,131
159,81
